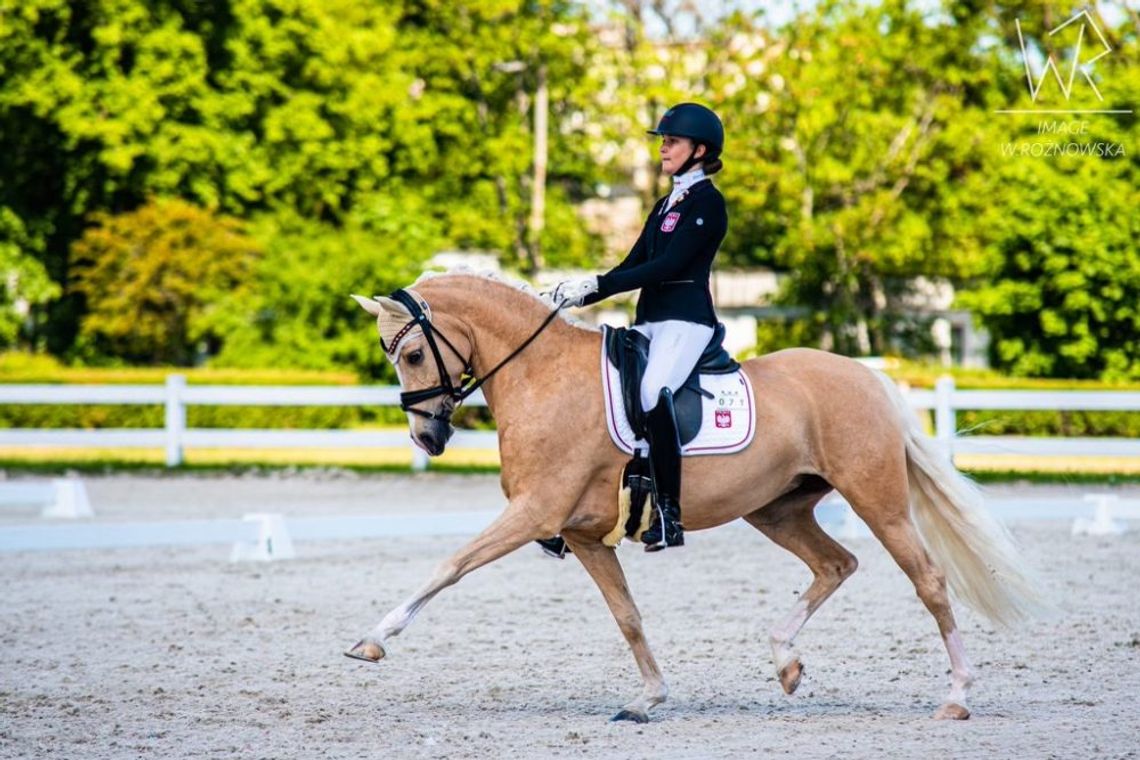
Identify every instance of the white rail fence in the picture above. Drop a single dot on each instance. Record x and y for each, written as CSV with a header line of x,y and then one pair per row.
x,y
176,396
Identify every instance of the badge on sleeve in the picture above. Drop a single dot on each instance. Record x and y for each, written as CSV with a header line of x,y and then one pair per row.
x,y
670,222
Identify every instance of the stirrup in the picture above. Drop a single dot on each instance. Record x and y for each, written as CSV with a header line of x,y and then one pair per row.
x,y
666,529
554,547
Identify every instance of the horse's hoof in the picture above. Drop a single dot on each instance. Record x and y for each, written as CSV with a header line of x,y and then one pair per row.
x,y
790,676
633,715
951,711
367,651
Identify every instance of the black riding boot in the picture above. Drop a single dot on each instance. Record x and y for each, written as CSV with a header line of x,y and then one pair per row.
x,y
665,461
554,547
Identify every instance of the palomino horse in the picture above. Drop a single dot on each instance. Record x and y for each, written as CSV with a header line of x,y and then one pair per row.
x,y
823,422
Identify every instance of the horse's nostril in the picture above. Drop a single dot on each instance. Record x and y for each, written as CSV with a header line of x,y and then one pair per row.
x,y
428,440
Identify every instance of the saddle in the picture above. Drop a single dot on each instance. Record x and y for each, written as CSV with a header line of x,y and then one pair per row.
x,y
628,351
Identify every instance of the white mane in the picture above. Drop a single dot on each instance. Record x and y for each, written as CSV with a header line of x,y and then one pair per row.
x,y
519,285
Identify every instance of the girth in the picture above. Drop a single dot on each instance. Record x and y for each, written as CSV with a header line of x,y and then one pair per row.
x,y
628,350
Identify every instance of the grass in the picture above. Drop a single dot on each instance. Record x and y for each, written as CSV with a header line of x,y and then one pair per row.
x,y
1059,477
991,466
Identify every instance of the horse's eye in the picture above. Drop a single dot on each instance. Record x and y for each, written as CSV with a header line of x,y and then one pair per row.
x,y
415,357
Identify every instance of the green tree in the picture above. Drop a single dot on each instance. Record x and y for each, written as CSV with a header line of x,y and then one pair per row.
x,y
24,284
855,138
300,314
158,282
305,108
1060,297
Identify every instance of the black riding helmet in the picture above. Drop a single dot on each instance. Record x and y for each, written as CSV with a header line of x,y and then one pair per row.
x,y
697,123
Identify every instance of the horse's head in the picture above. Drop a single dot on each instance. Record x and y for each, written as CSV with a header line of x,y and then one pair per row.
x,y
429,363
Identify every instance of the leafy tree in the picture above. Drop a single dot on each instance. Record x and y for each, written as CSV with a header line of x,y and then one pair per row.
x,y
304,109
25,283
1060,297
357,138
859,160
300,315
158,282
1064,299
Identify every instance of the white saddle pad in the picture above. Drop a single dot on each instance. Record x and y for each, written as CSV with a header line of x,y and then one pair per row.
x,y
728,419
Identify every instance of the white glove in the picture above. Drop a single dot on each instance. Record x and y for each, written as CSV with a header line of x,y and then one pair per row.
x,y
573,292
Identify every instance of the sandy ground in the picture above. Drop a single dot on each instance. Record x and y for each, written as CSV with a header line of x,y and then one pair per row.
x,y
178,653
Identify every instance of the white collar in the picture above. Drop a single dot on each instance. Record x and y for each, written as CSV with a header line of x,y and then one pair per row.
x,y
688,179
682,183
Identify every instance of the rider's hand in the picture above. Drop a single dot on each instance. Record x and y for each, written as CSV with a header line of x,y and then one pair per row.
x,y
573,292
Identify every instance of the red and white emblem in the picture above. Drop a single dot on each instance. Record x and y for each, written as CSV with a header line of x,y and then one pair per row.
x,y
723,418
670,222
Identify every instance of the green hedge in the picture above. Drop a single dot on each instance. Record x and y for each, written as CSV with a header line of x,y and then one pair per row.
x,y
143,416
1030,422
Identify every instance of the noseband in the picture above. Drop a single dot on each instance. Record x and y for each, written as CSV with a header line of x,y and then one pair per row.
x,y
468,382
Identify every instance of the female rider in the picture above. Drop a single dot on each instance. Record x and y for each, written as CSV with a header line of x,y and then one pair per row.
x,y
670,263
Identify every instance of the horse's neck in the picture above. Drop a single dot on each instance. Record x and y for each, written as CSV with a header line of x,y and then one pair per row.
x,y
500,319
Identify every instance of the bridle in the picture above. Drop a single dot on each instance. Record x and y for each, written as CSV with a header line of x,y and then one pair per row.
x,y
468,383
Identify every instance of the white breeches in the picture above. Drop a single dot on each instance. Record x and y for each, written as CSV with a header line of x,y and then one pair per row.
x,y
674,348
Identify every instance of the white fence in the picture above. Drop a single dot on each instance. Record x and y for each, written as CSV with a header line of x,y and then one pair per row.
x,y
945,400
176,396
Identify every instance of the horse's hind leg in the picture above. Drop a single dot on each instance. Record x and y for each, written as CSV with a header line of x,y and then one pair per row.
x,y
790,522
885,509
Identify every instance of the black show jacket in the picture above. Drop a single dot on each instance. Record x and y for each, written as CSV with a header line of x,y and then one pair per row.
x,y
672,259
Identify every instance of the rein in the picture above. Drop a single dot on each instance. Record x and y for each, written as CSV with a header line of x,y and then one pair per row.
x,y
457,393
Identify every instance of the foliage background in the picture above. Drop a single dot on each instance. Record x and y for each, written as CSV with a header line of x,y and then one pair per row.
x,y
187,183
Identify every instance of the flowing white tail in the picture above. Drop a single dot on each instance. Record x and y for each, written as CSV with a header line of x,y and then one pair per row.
x,y
982,565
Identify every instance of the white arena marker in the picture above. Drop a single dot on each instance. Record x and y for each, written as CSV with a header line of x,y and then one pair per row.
x,y
273,540
1102,523
60,498
69,500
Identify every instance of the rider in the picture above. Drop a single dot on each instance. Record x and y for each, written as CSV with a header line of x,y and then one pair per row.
x,y
671,263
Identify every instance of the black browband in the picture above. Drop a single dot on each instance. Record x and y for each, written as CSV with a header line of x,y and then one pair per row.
x,y
468,383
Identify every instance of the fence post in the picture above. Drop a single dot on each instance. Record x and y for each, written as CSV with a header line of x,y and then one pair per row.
x,y
945,421
419,459
175,419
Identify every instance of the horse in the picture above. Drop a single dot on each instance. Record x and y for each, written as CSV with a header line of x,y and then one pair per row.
x,y
823,422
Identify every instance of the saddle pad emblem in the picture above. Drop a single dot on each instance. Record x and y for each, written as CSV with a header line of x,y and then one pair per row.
x,y
670,222
728,418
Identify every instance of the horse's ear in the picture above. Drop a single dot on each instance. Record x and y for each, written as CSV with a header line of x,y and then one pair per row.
x,y
378,305
370,306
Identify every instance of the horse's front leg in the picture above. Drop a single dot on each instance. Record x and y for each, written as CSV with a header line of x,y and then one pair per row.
x,y
512,529
602,564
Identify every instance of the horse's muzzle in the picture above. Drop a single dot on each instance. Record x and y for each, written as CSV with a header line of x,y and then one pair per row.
x,y
434,439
